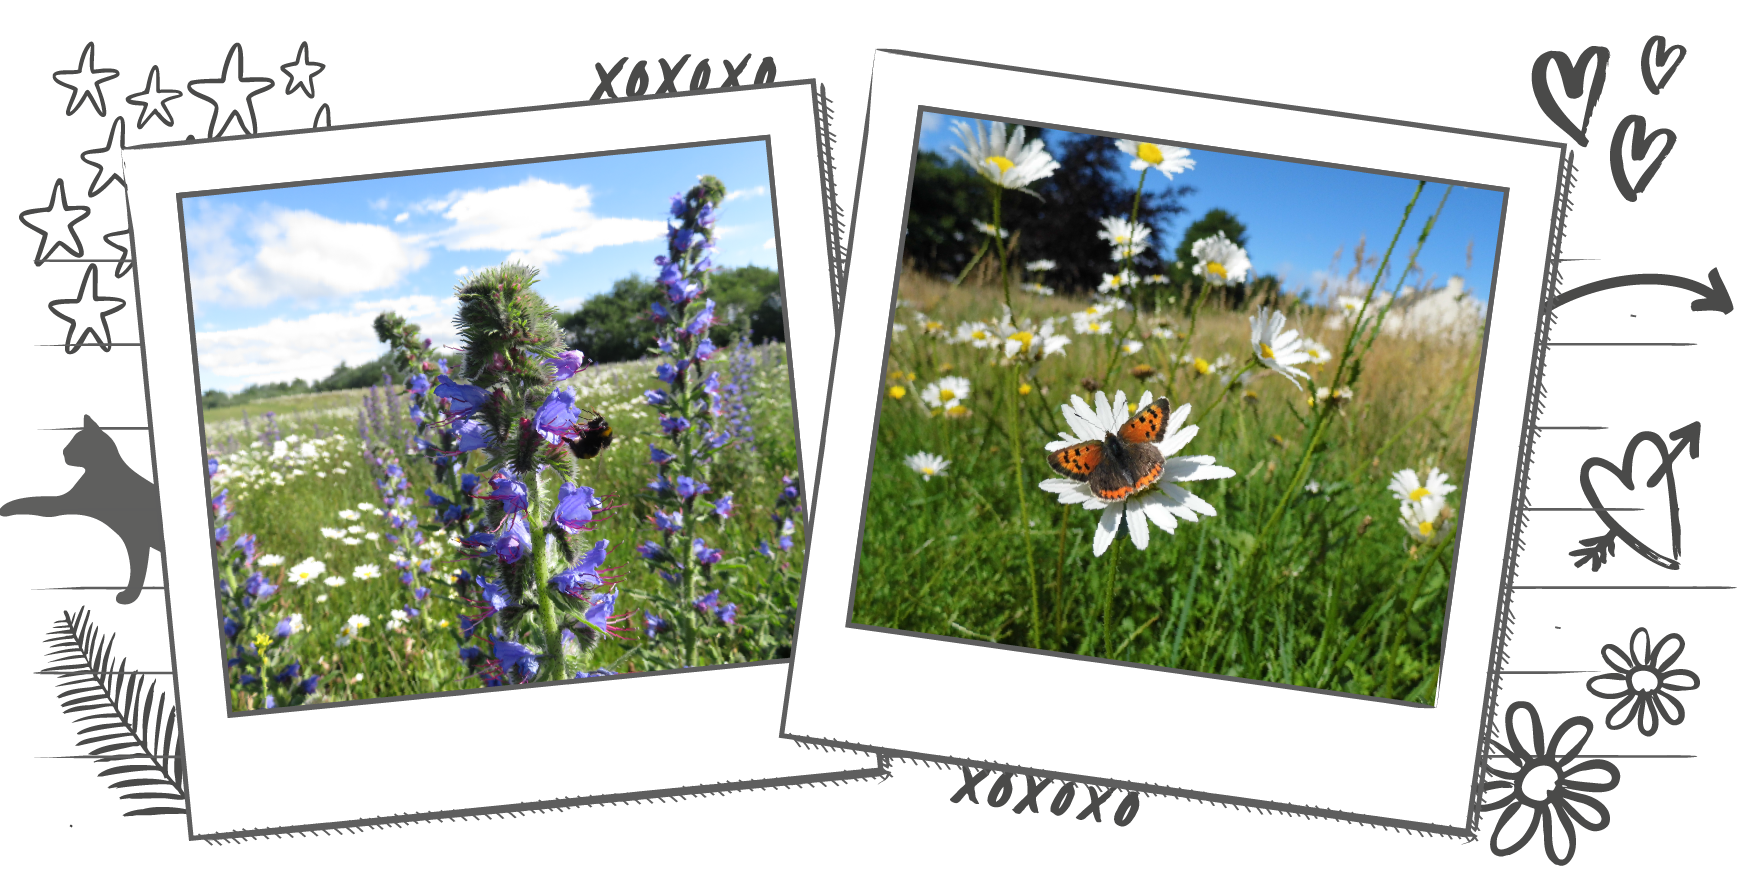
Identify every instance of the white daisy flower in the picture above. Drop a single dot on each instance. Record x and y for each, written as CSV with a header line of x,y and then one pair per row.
x,y
976,333
371,536
366,572
1040,289
1112,283
1086,323
349,630
307,571
1009,161
271,560
947,393
927,464
335,581
1219,261
1132,346
348,514
1423,519
1162,504
331,533
1040,265
1280,351
1126,239
397,619
350,541
1408,488
321,598
354,530
1031,342
1168,159
988,230
1317,351
363,505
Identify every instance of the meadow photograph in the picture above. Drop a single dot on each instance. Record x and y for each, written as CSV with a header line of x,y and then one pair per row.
x,y
495,426
1175,407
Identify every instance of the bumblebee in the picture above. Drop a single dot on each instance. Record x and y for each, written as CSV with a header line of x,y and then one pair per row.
x,y
593,437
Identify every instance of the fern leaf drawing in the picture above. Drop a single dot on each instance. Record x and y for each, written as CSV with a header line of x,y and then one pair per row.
x,y
128,727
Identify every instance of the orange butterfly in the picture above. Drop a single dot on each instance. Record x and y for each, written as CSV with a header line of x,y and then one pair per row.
x,y
1126,461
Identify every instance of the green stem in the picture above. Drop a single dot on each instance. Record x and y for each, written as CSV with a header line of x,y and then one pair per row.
x,y
1018,439
1110,589
1001,248
537,516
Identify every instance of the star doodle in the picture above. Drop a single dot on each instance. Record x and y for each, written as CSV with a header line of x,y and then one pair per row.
x,y
323,118
231,97
86,82
107,159
125,264
301,72
54,222
155,102
89,318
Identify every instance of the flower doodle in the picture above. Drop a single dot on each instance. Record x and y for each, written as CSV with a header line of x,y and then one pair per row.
x,y
1643,683
1548,784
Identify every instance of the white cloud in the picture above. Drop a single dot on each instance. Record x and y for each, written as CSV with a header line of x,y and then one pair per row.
x,y
402,217
757,190
380,204
931,122
771,244
297,254
311,347
539,222
462,271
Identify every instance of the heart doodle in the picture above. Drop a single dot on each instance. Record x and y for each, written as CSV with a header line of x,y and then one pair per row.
x,y
1633,131
1575,83
1653,57
1598,550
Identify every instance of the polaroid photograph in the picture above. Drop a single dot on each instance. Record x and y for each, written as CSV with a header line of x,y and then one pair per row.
x,y
456,429
1190,423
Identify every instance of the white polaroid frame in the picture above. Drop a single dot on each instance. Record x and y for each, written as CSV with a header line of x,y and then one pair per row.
x,y
1151,729
355,762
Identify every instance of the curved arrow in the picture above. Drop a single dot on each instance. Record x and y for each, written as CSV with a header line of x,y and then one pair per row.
x,y
1713,295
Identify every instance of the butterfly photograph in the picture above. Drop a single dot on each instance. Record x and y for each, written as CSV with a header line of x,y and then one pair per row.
x,y
1169,406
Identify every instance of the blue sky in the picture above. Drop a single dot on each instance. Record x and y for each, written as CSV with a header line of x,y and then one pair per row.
x,y
286,282
1298,214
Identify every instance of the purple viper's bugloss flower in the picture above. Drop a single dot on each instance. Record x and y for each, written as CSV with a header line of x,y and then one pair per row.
x,y
309,685
766,549
665,347
516,659
271,702
704,351
515,540
286,627
704,320
573,507
682,239
508,491
289,673
558,419
725,506
659,457
727,614
706,555
673,426
688,487
419,593
222,534
706,603
666,373
678,206
258,587
569,363
651,551
667,522
661,485
230,627
470,435
655,626
495,595
463,400
417,385
657,397
599,613
211,466
707,216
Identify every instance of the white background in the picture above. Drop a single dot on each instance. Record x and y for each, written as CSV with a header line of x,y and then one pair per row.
x,y
1465,65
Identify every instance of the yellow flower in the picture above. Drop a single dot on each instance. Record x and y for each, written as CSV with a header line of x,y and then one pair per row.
x,y
896,391
1025,389
1202,366
262,640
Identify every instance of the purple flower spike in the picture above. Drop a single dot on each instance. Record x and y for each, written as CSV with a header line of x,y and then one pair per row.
x,y
673,426
707,217
706,603
725,506
704,351
600,611
727,614
417,385
558,419
471,435
667,522
508,491
463,400
515,540
494,595
657,397
688,487
666,373
573,508
706,555
704,320
659,457
651,551
569,363
516,660
655,626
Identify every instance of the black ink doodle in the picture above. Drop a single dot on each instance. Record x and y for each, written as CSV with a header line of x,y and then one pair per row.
x,y
301,72
1653,57
323,118
231,97
1575,83
1598,550
1642,683
1711,296
135,731
54,222
155,102
110,493
86,82
1547,781
1633,132
125,263
87,313
107,159
1002,790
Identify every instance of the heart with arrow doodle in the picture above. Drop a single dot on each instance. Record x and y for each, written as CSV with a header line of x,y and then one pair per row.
x,y
1598,550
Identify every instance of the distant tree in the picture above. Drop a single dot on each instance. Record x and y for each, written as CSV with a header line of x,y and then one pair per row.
x,y
616,326
747,296
945,196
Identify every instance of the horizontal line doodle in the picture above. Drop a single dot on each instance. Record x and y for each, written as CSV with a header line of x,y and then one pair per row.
x,y
1595,755
111,344
104,673
104,428
1613,509
1656,586
1542,428
83,588
1620,344
1505,673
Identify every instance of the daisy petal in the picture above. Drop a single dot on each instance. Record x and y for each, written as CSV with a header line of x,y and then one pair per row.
x,y
1108,523
1137,528
1182,469
1174,443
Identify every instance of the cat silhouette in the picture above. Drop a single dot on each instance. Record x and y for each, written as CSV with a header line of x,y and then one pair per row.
x,y
110,493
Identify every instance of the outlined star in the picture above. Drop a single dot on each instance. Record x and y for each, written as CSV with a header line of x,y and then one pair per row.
x,y
323,118
301,72
125,264
86,82
155,103
231,97
107,159
54,222
89,317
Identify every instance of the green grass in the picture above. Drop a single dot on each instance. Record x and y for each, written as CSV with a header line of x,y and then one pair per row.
x,y
1335,596
421,656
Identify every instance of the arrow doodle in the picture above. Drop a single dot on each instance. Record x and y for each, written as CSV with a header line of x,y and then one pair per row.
x,y
1599,549
1711,296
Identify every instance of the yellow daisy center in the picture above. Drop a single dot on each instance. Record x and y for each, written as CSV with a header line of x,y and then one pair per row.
x,y
1419,494
1025,340
1218,269
1202,366
1266,351
979,334
946,395
1426,528
928,471
958,411
1000,162
932,325
1150,153
1314,354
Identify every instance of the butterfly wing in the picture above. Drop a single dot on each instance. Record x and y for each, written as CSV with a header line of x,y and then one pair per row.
x,y
1149,425
1127,471
1079,461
